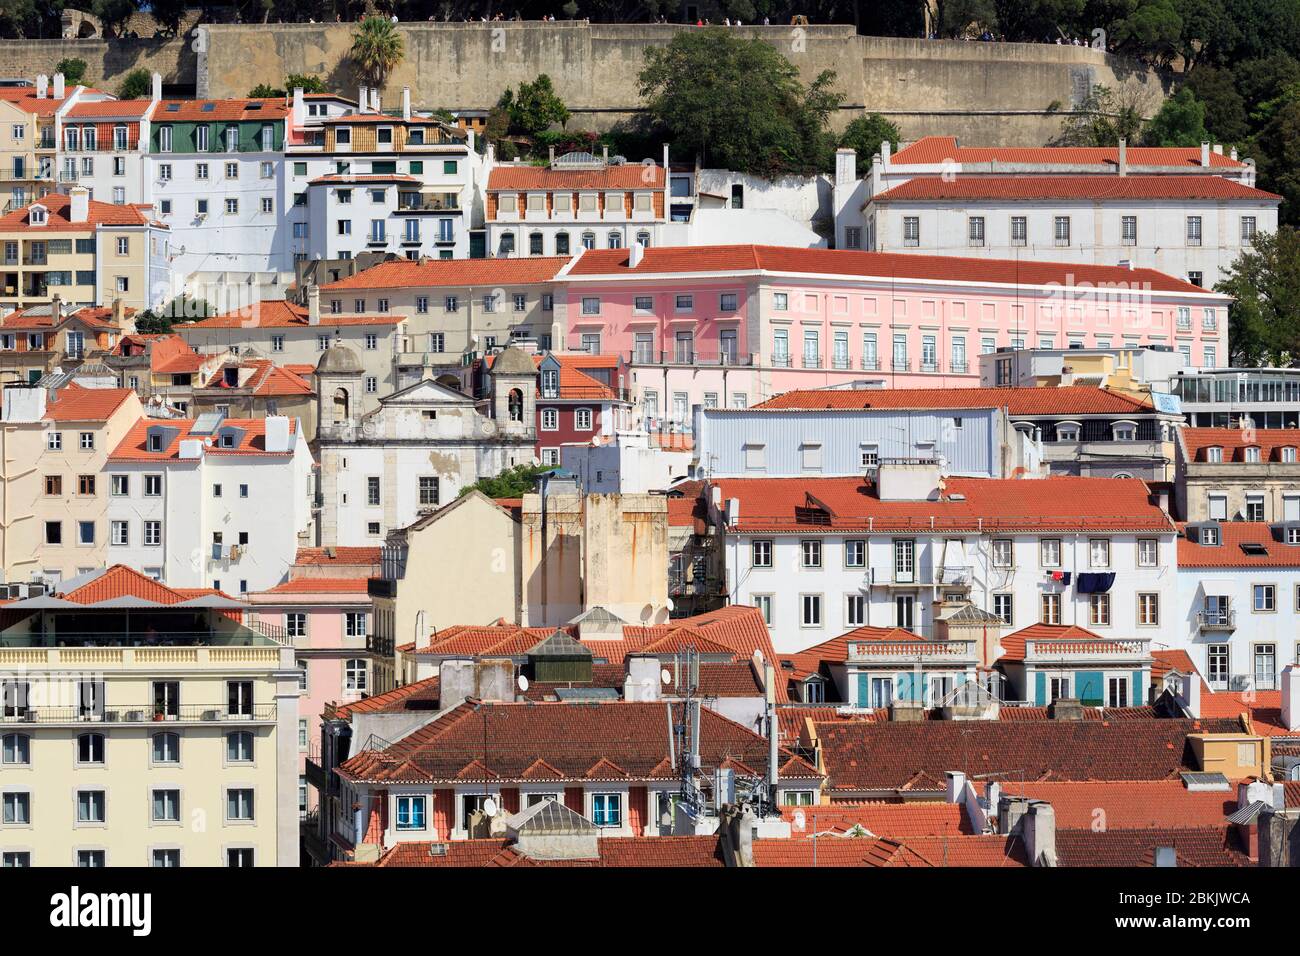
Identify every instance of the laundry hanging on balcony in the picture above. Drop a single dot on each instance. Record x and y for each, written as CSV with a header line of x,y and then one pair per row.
x,y
1098,582
1062,577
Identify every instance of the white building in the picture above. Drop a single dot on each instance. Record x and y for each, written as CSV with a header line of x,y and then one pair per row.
x,y
383,470
821,556
628,462
368,181
1184,212
104,146
1238,612
578,201
210,502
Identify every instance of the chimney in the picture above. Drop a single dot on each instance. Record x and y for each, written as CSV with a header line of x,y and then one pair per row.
x,y
119,314
1205,154
79,208
455,682
1123,157
604,153
846,166
1040,834
643,679
42,86
1233,154
885,150
1291,697
58,86
363,98
1218,149
56,307
1191,693
956,787
277,434
665,162
406,103
299,107
635,253
551,160
157,87
1066,708
313,304
375,105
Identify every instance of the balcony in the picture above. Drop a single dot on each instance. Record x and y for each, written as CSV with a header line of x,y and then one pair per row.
x,y
1132,650
959,368
812,361
929,366
433,202
781,360
894,652
137,714
901,365
841,362
695,357
870,364
1216,622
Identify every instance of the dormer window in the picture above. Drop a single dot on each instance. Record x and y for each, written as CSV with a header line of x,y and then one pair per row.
x,y
37,216
1293,534
1125,431
155,441
1214,454
1250,453
227,439
550,383
1209,536
1067,431
1287,454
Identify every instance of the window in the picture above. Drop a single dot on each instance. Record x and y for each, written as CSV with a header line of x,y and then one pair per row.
x,y
904,560
85,532
119,534
590,305
166,806
1051,609
1265,666
1254,506
239,856
550,419
17,808
911,231
1128,231
16,750
54,441
1099,552
153,533
411,812
761,553
1019,230
239,747
1147,552
1193,230
582,419
1099,609
372,491
855,553
1002,553
975,230
239,698
1247,229
428,490
54,485
1264,598
764,604
1149,609
1049,552
1061,227
607,809
810,610
1117,692
811,553
166,748
727,302
1216,656
239,804
90,806
1002,607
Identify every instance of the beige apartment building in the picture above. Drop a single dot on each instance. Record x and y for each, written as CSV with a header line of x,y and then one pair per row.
x,y
84,251
53,494
165,738
1239,474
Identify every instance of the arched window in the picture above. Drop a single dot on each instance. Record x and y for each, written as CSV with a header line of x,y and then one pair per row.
x,y
589,240
615,240
355,673
643,238
515,405
534,243
166,748
90,748
340,404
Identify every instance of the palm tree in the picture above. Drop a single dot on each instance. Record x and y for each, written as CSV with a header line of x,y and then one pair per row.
x,y
376,48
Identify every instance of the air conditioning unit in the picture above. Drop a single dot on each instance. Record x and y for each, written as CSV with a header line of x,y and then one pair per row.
x,y
212,715
1242,682
135,715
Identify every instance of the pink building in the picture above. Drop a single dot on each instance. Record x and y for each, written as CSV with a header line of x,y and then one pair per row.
x,y
323,608
735,325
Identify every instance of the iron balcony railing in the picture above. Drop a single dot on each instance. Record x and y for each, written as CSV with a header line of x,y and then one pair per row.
x,y
723,358
136,714
1225,620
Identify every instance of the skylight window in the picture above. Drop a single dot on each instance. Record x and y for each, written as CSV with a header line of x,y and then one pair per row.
x,y
1254,549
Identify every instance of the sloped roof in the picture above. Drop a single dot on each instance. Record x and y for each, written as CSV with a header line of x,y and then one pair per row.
x,y
1086,188
1127,804
935,149
439,273
252,431
1229,552
1195,846
626,176
1234,442
213,111
59,208
1013,644
1061,400
75,403
279,314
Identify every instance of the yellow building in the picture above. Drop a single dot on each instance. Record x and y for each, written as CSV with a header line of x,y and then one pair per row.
x,y
85,251
27,146
143,726
53,498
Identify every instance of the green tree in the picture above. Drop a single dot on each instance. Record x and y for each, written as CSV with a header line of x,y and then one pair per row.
x,y
168,13
737,103
1150,32
264,92
73,70
535,107
865,134
135,85
1225,110
183,308
1275,149
114,13
377,47
1180,121
1264,282
1104,118
512,483
309,82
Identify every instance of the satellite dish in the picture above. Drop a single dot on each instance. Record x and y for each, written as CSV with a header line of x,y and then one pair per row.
x,y
800,821
669,604
522,682
666,676
490,807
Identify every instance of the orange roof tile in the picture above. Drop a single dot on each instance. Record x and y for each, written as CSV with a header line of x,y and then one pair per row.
x,y
1087,188
108,109
1013,644
782,260
252,439
1062,400
122,581
1126,804
823,505
98,214
214,111
878,818
627,176
279,313
267,379
77,404
409,273
1234,442
1229,553
1263,707
320,586
930,150
337,555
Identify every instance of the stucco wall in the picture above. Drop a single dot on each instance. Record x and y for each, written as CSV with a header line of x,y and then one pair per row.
x,y
986,93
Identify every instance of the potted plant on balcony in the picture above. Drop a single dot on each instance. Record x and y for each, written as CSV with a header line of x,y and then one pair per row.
x,y
158,713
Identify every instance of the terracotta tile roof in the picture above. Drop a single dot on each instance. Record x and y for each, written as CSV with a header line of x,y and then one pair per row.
x,y
686,512
1195,846
1262,707
1063,400
215,111
935,149
1013,644
1088,188
833,851
97,214
1229,552
780,260
420,695
267,379
663,851
813,660
320,586
825,505
101,315
435,273
171,354
252,439
878,818
1127,804
109,109
77,404
582,741
337,555
627,176
122,581
890,756
96,318
25,99
363,179
969,851
278,314
1234,442
1167,660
